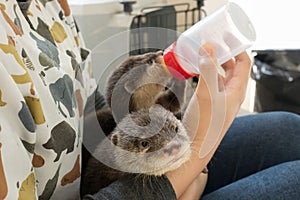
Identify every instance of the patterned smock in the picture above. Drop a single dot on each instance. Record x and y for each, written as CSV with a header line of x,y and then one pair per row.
x,y
44,84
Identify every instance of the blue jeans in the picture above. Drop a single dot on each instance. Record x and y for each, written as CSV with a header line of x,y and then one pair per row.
x,y
259,158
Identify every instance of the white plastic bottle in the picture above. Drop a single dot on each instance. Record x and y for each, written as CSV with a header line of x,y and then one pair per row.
x,y
228,30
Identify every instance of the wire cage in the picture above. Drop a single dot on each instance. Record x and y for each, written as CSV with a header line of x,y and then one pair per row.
x,y
172,19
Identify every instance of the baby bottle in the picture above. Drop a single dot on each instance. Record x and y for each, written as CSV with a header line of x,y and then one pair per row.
x,y
228,30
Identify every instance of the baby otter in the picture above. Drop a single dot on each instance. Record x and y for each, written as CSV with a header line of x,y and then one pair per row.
x,y
142,81
148,142
137,84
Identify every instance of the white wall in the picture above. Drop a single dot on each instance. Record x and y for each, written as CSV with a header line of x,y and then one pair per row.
x,y
102,20
276,22
99,19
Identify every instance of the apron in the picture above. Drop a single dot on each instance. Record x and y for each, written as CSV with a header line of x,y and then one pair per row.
x,y
45,80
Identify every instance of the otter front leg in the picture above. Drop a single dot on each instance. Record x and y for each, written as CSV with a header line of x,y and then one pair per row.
x,y
173,98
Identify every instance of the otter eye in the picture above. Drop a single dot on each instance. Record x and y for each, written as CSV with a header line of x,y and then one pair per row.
x,y
150,62
176,129
144,144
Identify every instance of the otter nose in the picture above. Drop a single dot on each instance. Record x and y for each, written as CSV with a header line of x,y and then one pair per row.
x,y
160,59
172,149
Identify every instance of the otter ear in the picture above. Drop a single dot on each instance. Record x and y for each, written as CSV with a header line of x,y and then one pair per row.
x,y
159,52
114,139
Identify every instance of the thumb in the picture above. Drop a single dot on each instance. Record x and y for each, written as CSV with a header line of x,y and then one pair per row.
x,y
208,68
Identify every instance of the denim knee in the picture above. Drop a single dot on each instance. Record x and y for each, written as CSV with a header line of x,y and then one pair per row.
x,y
287,123
284,117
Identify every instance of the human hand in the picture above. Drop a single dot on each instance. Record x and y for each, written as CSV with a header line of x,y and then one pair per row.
x,y
195,189
220,97
214,105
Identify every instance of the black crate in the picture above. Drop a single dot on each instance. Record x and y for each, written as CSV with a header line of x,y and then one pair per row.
x,y
173,19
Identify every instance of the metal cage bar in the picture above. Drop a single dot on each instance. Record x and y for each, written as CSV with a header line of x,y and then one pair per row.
x,y
175,17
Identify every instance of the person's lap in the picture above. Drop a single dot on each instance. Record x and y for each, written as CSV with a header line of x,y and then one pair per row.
x,y
252,144
281,181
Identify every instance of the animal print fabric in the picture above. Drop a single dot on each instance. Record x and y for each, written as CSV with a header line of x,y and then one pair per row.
x,y
45,79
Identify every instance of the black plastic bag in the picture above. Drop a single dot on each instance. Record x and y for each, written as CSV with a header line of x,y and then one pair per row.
x,y
277,76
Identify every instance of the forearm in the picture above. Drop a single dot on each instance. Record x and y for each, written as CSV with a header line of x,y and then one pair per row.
x,y
199,126
182,178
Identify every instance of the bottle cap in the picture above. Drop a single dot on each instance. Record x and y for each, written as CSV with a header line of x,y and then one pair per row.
x,y
173,66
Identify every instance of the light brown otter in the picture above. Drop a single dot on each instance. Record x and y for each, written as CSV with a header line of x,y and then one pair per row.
x,y
138,83
142,81
147,142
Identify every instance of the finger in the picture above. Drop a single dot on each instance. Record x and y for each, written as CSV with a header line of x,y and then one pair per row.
x,y
228,68
228,65
243,66
238,68
242,57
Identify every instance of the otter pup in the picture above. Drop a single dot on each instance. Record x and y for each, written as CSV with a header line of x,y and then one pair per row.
x,y
142,81
137,84
145,142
